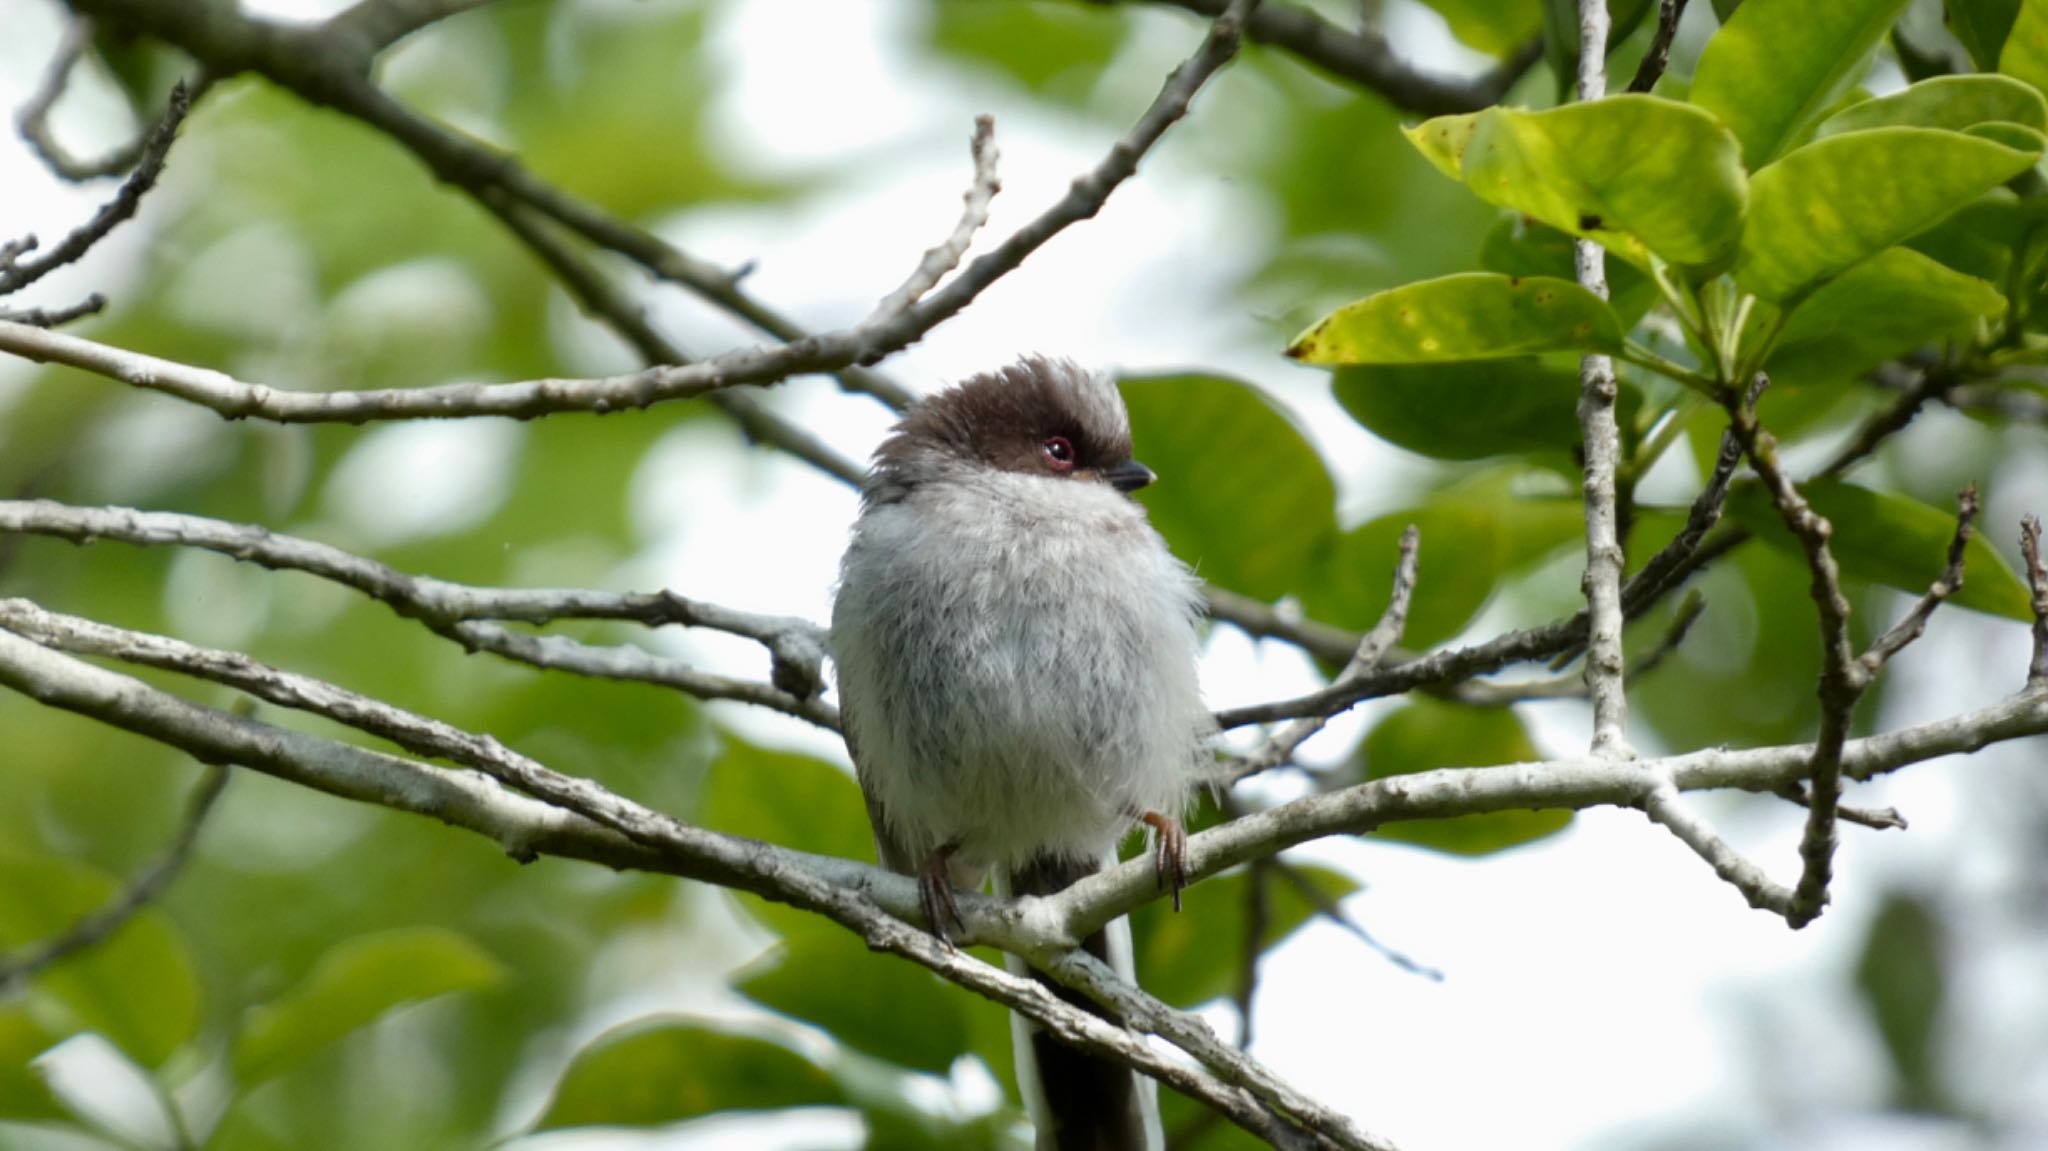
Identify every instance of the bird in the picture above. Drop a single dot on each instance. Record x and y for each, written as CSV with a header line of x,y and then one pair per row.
x,y
1016,652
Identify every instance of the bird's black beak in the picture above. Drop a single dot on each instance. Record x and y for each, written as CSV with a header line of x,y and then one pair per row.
x,y
1128,476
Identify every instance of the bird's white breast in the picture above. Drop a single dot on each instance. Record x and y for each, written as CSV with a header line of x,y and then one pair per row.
x,y
1017,666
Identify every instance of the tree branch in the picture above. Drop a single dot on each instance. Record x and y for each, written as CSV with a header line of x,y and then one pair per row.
x,y
1606,680
1364,58
1842,678
16,274
143,890
1658,57
458,611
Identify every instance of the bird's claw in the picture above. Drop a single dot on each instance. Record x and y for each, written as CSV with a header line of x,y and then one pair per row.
x,y
1169,853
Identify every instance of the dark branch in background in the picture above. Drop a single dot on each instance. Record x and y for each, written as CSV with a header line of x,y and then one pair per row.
x,y
1914,622
1364,58
54,317
140,892
1261,621
1666,568
34,119
370,26
601,298
1489,693
1929,383
1658,57
458,611
17,273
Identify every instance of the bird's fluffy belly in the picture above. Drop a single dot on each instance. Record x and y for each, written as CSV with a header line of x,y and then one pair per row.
x,y
1021,687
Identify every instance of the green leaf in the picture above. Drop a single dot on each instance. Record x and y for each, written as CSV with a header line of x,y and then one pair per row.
x,y
643,1076
1466,411
1777,64
1836,202
1519,246
1903,977
789,799
1427,734
356,983
136,987
1196,954
877,1004
1442,140
1495,27
1952,102
1832,337
1242,497
1469,316
1982,26
24,1093
2025,54
1634,172
1891,540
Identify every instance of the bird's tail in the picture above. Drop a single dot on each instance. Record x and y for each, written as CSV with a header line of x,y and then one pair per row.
x,y
1079,1102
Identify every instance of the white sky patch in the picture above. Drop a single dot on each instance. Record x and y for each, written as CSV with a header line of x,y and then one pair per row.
x,y
409,480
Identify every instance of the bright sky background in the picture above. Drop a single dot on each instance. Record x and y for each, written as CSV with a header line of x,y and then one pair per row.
x,y
1602,986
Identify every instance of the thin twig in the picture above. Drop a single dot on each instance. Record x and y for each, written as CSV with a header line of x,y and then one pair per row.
x,y
1485,693
55,317
1875,818
2037,582
946,256
142,891
156,148
1658,57
1914,622
1663,568
1929,384
458,611
1372,648
1664,807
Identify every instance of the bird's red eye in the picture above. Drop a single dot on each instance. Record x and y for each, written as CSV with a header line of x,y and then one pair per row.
x,y
1059,452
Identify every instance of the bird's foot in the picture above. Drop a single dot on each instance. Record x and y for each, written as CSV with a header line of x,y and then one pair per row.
x,y
1169,852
